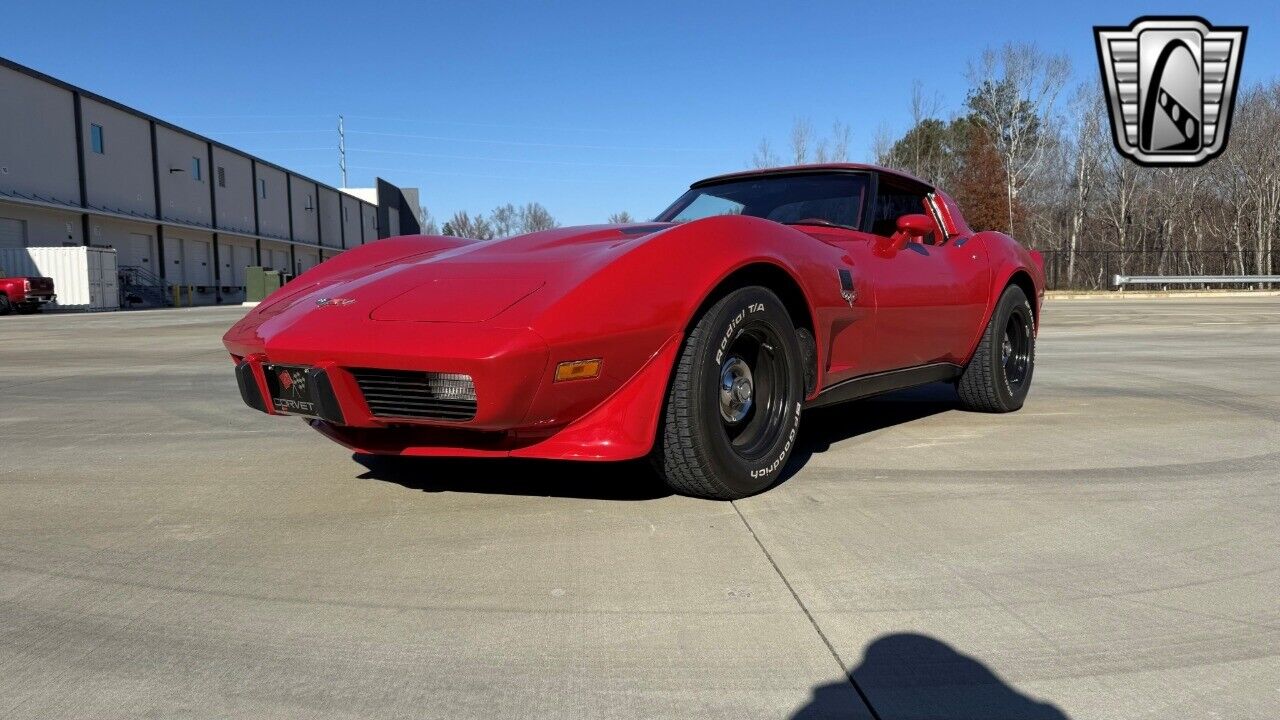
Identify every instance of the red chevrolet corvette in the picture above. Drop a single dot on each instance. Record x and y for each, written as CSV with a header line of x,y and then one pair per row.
x,y
696,340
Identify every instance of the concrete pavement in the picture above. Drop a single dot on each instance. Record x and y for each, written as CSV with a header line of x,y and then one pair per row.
x,y
1108,552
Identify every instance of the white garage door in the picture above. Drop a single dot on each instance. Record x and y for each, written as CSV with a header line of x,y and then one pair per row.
x,y
198,259
13,233
306,261
137,251
173,271
280,260
241,257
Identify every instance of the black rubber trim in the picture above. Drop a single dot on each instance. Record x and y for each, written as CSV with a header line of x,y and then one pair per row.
x,y
326,399
883,382
248,384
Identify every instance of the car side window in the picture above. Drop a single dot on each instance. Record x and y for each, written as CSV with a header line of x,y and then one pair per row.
x,y
892,202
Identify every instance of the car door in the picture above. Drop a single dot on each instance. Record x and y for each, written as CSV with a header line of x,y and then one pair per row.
x,y
930,291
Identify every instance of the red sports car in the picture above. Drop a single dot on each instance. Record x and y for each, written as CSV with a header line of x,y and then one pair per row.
x,y
696,340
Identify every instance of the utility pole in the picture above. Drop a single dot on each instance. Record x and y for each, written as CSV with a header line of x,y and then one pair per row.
x,y
342,152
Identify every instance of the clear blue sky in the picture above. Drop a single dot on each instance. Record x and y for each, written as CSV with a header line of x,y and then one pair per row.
x,y
587,107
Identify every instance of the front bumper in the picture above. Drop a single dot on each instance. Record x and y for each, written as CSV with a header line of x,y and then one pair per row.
x,y
506,366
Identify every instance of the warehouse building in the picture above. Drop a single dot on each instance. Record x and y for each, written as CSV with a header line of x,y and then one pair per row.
x,y
179,208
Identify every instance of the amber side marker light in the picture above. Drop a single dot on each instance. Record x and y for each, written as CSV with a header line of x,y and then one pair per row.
x,y
578,370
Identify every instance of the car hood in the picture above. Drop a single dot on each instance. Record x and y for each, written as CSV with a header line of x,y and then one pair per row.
x,y
472,283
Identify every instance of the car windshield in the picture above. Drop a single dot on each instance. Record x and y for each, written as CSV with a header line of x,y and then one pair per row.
x,y
822,199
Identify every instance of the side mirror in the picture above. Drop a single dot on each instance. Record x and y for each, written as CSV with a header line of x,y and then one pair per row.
x,y
915,226
910,227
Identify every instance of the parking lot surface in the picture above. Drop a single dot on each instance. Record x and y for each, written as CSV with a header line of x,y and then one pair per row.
x,y
1111,551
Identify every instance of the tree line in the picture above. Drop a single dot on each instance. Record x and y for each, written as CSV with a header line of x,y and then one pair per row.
x,y
1031,155
503,221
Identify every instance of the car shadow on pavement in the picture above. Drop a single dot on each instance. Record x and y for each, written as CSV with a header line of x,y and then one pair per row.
x,y
823,427
907,675
496,476
636,480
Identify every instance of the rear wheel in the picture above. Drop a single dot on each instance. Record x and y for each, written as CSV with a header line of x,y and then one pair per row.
x,y
733,407
5,306
998,377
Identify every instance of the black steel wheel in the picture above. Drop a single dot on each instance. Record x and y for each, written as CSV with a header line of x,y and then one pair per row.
x,y
733,407
998,376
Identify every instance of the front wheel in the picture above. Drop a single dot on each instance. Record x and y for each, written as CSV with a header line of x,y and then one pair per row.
x,y
733,407
998,377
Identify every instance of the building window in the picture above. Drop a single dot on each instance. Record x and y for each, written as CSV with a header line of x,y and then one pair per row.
x,y
346,213
308,206
195,168
95,138
262,188
222,176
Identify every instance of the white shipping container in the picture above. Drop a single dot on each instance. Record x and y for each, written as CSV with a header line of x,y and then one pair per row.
x,y
85,278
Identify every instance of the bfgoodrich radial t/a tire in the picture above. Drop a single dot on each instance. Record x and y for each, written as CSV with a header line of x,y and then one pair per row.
x,y
998,377
733,408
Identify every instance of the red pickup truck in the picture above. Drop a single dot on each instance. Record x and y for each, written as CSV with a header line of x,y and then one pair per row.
x,y
25,294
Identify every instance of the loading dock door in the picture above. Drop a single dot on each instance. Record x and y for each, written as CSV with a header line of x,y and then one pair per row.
x,y
306,261
241,258
137,251
173,261
13,234
198,262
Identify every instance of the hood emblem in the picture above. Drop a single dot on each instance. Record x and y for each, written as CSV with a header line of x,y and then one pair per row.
x,y
330,302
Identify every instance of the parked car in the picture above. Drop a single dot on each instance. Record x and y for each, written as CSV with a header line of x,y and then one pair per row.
x,y
25,294
696,339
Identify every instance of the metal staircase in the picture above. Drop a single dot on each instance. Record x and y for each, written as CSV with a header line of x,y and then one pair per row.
x,y
144,284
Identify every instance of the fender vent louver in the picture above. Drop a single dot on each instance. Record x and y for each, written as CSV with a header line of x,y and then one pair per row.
x,y
417,395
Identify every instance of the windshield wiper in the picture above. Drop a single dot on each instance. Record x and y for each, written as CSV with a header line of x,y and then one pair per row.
x,y
821,222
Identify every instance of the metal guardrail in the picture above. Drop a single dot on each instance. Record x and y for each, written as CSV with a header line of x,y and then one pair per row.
x,y
1120,281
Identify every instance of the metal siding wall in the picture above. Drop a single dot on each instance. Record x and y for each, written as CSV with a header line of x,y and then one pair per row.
x,y
330,218
370,223
38,142
118,180
235,201
273,211
185,198
351,222
304,220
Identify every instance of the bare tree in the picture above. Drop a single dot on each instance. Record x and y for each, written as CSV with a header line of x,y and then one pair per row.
x,y
505,220
1015,96
621,218
429,226
801,140
1084,154
764,156
463,225
841,136
535,217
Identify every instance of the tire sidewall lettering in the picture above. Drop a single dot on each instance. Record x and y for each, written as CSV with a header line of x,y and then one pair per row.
x,y
794,424
731,331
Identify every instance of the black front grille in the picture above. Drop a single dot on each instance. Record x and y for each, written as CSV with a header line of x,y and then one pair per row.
x,y
419,395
